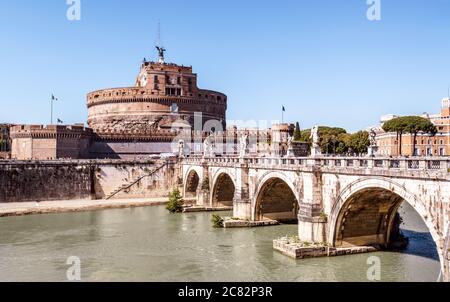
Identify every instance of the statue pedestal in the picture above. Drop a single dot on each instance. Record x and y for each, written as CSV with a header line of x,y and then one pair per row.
x,y
315,151
244,153
372,151
290,152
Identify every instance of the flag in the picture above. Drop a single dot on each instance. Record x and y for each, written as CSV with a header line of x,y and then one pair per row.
x,y
54,98
284,109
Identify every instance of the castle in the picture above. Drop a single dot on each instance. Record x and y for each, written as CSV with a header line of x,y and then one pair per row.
x,y
164,107
129,122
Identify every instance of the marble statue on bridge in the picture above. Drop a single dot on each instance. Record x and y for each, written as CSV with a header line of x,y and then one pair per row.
x,y
244,146
315,150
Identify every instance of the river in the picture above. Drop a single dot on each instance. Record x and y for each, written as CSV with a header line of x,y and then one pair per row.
x,y
149,244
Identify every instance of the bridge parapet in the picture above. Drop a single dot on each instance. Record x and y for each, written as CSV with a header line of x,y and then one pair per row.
x,y
414,167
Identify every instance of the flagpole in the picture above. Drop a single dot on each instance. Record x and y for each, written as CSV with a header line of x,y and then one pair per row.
x,y
51,111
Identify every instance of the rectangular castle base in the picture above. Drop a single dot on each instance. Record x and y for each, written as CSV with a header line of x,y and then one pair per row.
x,y
196,209
235,223
300,250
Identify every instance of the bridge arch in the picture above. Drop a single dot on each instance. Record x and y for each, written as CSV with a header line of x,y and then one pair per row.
x,y
276,198
192,183
365,210
223,189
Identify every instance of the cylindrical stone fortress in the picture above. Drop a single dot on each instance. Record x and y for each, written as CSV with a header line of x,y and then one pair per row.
x,y
165,96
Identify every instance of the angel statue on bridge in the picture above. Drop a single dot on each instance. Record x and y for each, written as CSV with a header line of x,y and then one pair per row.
x,y
244,145
315,136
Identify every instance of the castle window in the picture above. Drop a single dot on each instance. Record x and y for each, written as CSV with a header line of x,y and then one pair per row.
x,y
172,91
179,80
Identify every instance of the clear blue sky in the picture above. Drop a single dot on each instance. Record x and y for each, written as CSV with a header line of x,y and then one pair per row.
x,y
322,59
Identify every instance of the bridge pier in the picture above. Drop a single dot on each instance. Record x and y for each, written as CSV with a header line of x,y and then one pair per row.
x,y
312,226
242,206
203,198
242,209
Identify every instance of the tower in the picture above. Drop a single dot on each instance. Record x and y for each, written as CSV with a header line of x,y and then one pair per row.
x,y
445,107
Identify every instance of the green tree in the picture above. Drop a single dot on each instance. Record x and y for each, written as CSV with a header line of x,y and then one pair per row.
x,y
175,204
359,142
334,140
330,143
297,133
409,124
343,143
416,124
397,125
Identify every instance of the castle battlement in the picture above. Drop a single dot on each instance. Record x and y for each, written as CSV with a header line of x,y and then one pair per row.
x,y
50,131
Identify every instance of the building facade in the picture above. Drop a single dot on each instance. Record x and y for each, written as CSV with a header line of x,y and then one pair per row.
x,y
37,142
426,144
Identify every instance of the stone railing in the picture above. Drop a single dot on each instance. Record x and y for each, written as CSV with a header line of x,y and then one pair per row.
x,y
441,164
83,162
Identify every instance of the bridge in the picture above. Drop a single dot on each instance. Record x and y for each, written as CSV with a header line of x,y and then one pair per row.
x,y
344,201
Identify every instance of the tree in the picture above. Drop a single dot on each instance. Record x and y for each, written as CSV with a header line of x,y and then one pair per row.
x,y
416,124
329,139
409,124
359,142
175,204
297,133
397,125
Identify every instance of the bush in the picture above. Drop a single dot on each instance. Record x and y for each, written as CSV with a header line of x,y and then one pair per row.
x,y
175,204
217,221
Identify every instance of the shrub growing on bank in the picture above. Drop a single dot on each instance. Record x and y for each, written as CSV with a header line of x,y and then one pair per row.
x,y
175,204
217,221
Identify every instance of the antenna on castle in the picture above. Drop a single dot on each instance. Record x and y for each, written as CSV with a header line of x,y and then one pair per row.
x,y
159,47
158,34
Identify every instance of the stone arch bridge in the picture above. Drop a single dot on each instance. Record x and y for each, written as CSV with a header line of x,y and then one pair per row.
x,y
341,201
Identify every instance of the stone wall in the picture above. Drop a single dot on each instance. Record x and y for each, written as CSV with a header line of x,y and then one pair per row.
x,y
68,180
152,179
35,181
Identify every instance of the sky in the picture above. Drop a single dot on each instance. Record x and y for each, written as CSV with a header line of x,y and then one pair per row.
x,y
322,59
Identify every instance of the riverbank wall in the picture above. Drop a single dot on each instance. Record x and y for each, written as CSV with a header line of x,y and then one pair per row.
x,y
23,181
